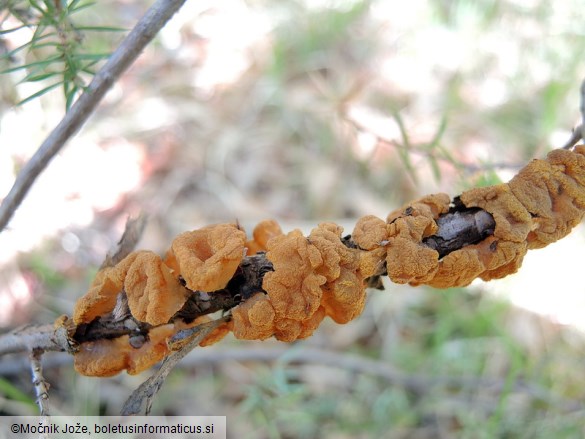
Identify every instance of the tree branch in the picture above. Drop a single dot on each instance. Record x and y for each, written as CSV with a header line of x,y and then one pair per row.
x,y
127,243
422,150
457,228
28,338
579,132
148,389
41,386
144,31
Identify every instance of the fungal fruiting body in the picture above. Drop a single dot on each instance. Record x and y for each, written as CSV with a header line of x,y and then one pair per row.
x,y
324,274
313,277
204,259
540,205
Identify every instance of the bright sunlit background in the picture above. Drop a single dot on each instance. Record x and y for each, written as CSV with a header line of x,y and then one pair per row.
x,y
306,111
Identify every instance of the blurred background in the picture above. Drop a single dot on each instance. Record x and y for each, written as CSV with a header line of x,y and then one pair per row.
x,y
307,111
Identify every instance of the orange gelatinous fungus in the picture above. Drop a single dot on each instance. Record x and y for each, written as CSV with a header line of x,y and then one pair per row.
x,y
345,297
207,258
216,335
561,178
370,232
105,357
324,274
263,232
101,297
313,277
540,205
294,286
512,219
308,326
408,260
344,293
548,199
254,318
102,358
154,294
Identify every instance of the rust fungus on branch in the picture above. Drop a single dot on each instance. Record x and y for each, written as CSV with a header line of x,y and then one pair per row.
x,y
107,357
140,295
263,232
154,295
540,205
207,258
284,285
313,277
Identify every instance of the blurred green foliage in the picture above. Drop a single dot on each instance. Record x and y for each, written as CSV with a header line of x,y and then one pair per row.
x,y
57,51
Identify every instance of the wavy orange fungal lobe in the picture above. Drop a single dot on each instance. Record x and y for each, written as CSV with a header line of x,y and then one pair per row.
x,y
254,319
294,286
313,277
553,193
104,358
370,232
207,258
263,232
101,297
154,294
344,293
408,260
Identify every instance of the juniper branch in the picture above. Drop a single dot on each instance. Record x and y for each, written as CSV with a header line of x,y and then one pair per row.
x,y
458,228
145,393
130,48
39,383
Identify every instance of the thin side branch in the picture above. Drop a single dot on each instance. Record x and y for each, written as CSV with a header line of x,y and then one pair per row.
x,y
576,136
458,228
14,365
41,386
144,31
146,392
422,150
579,132
127,243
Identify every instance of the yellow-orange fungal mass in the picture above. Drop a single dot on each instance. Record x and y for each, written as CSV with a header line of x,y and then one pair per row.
x,y
540,205
254,319
207,258
263,232
107,357
153,294
324,275
313,277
